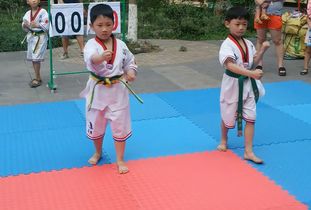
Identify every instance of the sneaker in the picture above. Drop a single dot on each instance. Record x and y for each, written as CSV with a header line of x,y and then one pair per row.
x,y
64,56
81,54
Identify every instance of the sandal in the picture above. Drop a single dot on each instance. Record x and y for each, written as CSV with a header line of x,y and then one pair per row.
x,y
35,83
259,67
304,72
282,71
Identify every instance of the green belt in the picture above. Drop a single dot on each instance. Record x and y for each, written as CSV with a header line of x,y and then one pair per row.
x,y
34,33
37,33
108,81
241,79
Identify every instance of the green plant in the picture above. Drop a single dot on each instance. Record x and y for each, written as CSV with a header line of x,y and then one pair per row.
x,y
156,20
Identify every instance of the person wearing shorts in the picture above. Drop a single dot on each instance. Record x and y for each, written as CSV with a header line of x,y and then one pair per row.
x,y
65,39
107,99
240,86
307,57
274,25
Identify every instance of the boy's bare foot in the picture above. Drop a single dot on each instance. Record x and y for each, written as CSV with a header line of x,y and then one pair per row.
x,y
222,147
122,168
95,158
252,157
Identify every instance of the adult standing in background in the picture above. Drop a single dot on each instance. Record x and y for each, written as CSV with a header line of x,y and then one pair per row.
x,y
65,39
274,25
307,57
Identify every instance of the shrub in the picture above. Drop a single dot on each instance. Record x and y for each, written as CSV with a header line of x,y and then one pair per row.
x,y
156,19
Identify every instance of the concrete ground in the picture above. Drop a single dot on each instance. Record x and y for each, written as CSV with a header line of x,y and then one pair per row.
x,y
167,70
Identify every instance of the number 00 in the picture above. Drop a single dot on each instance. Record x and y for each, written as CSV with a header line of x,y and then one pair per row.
x,y
61,28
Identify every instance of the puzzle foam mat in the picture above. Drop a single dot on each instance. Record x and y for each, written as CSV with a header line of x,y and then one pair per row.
x,y
172,155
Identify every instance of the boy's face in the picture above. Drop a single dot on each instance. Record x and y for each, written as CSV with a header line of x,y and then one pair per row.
x,y
102,27
237,27
33,3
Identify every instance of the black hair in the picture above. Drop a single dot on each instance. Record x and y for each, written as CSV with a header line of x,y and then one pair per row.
x,y
101,10
237,12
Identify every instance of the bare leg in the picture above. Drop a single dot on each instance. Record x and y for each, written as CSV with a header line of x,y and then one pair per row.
x,y
98,144
276,36
224,138
261,37
36,67
80,42
307,58
120,148
65,42
249,135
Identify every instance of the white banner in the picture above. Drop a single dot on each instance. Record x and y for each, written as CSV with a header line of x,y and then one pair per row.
x,y
117,16
66,19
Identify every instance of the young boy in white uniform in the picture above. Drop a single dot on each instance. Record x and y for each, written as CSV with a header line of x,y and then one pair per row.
x,y
36,23
240,86
107,100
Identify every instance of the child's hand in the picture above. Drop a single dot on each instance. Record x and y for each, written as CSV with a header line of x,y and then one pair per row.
x,y
26,24
33,25
130,75
107,55
256,74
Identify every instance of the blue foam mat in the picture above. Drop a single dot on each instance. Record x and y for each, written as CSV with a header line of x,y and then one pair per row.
x,y
31,117
152,108
199,106
51,136
287,93
302,112
45,150
272,125
288,164
162,137
193,101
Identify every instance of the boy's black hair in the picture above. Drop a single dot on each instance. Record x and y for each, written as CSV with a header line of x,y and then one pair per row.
x,y
237,12
101,10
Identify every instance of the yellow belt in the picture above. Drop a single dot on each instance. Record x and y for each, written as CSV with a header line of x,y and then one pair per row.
x,y
108,81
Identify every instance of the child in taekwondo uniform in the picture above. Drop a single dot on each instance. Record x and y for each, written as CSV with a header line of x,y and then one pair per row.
x,y
107,99
36,23
240,86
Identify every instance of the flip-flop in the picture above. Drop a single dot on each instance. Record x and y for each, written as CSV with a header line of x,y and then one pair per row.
x,y
304,72
282,71
35,83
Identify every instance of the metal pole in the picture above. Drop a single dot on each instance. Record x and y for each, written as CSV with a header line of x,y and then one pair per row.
x,y
123,19
51,84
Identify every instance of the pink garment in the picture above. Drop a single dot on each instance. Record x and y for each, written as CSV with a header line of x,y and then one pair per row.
x,y
309,9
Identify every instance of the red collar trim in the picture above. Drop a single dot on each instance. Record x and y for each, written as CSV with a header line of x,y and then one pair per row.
x,y
114,47
244,54
33,17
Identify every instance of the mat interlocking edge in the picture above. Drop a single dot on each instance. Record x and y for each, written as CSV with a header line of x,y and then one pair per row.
x,y
291,109
209,180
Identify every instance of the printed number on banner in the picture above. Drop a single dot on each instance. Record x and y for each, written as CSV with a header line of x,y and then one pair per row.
x,y
75,22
